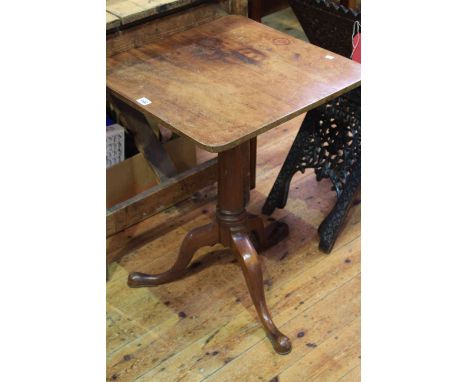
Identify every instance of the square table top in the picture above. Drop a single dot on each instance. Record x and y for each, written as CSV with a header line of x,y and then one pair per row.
x,y
221,83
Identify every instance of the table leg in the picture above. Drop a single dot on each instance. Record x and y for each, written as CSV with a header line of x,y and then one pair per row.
x,y
199,237
253,162
333,223
231,229
251,267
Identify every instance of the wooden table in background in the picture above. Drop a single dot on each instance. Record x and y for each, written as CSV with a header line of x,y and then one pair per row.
x,y
221,84
120,13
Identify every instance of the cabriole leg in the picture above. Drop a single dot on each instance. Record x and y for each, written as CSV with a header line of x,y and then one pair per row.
x,y
251,267
199,237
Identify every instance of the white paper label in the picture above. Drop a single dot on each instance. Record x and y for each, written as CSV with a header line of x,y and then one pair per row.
x,y
328,57
143,101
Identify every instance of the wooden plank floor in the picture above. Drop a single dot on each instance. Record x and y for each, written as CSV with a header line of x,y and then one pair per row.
x,y
204,327
285,21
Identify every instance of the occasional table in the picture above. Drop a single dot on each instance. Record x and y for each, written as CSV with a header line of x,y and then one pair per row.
x,y
221,84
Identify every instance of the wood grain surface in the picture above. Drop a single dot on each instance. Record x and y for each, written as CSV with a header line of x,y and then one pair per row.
x,y
156,29
204,328
226,81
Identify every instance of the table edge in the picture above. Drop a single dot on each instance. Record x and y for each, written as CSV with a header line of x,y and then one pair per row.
x,y
217,148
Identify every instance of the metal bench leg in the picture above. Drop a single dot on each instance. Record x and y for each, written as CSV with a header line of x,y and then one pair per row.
x,y
278,195
333,223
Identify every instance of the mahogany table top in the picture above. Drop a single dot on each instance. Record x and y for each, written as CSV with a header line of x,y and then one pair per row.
x,y
226,81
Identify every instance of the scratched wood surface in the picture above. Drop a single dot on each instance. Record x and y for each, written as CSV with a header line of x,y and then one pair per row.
x,y
204,327
226,81
154,30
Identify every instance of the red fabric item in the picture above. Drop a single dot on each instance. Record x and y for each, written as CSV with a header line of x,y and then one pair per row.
x,y
357,51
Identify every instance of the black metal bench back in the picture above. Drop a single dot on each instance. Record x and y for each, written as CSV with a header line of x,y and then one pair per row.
x,y
326,24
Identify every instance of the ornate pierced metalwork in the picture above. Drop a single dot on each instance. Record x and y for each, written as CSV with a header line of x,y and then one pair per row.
x,y
333,141
326,24
329,141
